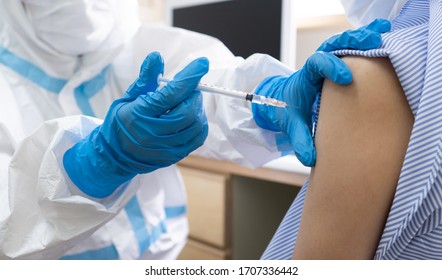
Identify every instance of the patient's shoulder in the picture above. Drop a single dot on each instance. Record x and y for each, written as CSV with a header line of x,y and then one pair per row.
x,y
372,109
361,139
375,86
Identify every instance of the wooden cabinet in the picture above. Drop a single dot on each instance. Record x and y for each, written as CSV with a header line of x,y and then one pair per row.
x,y
209,214
208,210
232,210
195,250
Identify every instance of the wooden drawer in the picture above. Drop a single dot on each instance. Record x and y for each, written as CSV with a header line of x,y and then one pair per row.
x,y
195,250
207,194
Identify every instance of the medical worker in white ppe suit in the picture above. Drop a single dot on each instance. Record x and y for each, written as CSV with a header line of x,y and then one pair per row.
x,y
89,142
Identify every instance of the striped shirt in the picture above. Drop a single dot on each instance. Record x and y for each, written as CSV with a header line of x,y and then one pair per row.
x,y
414,226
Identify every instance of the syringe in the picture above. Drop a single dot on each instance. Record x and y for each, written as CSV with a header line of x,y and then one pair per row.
x,y
243,95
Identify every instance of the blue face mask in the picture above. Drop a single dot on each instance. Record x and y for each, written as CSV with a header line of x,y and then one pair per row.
x,y
362,12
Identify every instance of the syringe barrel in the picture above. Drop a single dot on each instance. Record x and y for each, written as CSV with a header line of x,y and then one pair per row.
x,y
223,91
237,94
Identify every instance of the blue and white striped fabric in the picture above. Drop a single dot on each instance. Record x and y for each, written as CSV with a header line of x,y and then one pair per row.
x,y
414,225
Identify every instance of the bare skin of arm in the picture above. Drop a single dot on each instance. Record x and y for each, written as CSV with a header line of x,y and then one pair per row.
x,y
362,136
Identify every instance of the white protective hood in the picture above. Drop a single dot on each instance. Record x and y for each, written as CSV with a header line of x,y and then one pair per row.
x,y
41,31
362,12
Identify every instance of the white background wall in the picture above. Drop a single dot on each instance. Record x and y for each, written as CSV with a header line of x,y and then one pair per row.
x,y
312,32
152,10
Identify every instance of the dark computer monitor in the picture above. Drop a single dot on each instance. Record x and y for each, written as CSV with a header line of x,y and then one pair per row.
x,y
244,26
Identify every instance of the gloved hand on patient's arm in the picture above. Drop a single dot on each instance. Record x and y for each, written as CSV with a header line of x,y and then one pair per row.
x,y
301,88
145,130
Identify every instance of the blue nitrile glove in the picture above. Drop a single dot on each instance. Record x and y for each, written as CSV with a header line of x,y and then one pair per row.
x,y
301,88
142,131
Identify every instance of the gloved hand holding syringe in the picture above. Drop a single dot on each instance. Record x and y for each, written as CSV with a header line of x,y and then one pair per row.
x,y
233,93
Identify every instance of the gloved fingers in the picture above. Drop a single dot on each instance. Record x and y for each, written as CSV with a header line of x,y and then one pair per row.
x,y
302,143
185,114
378,25
175,139
194,143
323,65
186,135
166,154
364,38
177,90
177,125
181,118
145,141
147,81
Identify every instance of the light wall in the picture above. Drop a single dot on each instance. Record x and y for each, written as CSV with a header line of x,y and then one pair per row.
x,y
152,10
311,32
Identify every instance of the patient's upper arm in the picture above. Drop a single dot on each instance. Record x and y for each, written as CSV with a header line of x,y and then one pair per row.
x,y
362,136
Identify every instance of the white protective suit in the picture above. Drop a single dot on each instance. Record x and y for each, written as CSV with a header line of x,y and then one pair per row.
x,y
50,100
362,12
